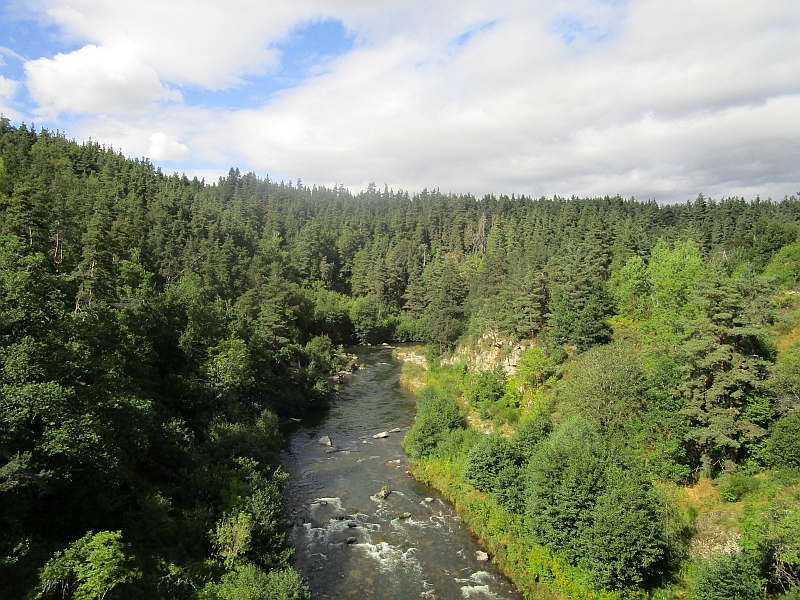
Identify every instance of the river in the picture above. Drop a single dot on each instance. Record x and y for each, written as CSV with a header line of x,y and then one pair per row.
x,y
351,543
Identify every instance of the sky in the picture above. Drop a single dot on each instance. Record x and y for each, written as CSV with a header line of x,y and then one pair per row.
x,y
651,99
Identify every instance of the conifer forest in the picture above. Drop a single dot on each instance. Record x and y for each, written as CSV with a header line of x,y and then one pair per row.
x,y
156,332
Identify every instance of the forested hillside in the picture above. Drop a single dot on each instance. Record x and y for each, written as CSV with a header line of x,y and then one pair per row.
x,y
155,329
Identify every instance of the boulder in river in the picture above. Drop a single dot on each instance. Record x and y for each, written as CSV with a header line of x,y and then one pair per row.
x,y
394,462
429,500
481,556
395,430
382,434
350,540
325,441
405,515
385,491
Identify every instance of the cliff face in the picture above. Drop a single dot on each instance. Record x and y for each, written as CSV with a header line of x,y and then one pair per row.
x,y
487,351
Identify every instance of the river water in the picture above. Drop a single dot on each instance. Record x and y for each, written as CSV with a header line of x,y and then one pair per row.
x,y
351,543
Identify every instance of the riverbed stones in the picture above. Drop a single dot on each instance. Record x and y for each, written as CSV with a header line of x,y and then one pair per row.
x,y
381,435
405,515
325,441
394,462
481,556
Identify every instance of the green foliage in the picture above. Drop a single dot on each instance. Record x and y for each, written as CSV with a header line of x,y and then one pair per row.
x,y
594,507
409,329
783,445
369,319
632,288
437,415
786,383
578,315
726,368
457,443
445,293
488,387
565,478
784,267
625,544
529,434
605,385
231,537
486,460
728,577
736,485
771,538
768,238
90,568
248,582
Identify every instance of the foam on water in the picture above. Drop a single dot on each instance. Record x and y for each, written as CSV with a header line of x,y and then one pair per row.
x,y
391,558
483,577
478,591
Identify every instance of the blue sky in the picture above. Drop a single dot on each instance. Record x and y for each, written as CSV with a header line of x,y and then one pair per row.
x,y
588,97
304,52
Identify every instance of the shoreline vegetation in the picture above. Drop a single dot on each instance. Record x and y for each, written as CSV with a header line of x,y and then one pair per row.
x,y
618,379
715,520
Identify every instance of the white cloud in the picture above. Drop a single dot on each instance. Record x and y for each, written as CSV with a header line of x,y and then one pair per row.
x,y
94,80
8,87
648,98
163,147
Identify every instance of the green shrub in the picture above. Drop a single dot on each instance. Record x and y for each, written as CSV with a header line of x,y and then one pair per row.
x,y
784,442
437,414
565,477
457,442
488,388
530,433
509,488
248,582
90,568
409,329
594,506
736,485
728,577
771,538
486,459
785,266
626,542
